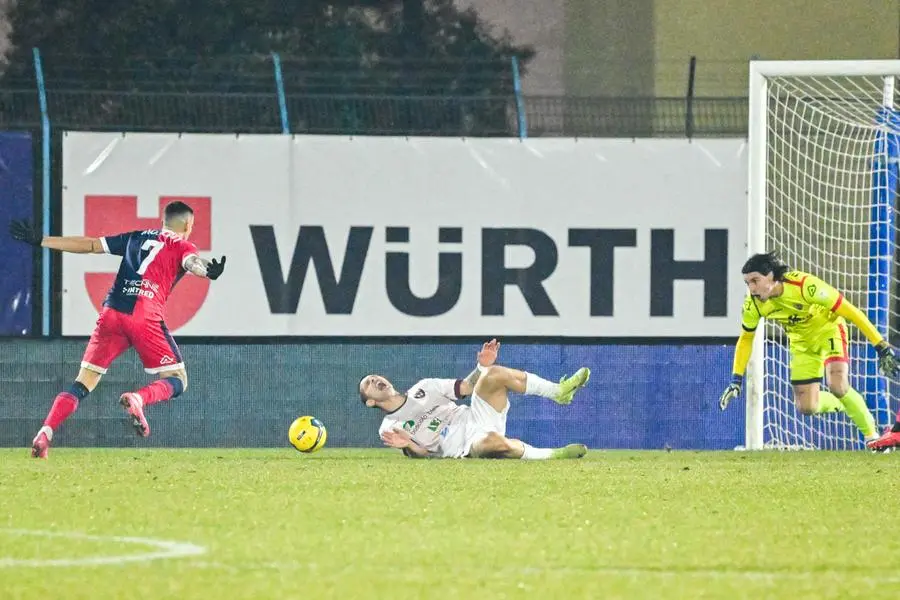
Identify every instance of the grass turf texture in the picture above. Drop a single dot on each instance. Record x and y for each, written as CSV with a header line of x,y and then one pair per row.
x,y
372,524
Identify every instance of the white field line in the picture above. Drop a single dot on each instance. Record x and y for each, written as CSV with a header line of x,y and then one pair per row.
x,y
161,549
623,571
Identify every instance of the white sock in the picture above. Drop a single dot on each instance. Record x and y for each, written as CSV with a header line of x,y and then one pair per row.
x,y
46,430
532,453
538,386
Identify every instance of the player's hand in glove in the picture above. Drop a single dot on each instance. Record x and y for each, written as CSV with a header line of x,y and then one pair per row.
x,y
887,360
730,393
214,268
24,231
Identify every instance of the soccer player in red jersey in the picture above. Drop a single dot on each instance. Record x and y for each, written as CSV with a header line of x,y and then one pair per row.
x,y
133,314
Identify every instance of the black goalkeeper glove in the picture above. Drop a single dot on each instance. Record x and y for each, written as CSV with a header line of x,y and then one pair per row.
x,y
887,360
214,268
24,231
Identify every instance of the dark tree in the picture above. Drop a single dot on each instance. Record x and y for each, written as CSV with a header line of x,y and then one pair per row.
x,y
378,66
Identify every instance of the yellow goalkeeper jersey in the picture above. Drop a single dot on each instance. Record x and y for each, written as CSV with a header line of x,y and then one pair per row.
x,y
806,308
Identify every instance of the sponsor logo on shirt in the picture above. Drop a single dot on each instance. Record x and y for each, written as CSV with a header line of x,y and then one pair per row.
x,y
140,287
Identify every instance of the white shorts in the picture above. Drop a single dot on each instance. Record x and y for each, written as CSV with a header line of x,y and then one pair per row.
x,y
470,426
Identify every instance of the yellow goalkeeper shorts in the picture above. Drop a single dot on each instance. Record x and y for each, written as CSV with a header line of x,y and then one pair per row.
x,y
808,361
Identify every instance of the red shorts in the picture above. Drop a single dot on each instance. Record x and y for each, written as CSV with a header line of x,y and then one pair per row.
x,y
116,332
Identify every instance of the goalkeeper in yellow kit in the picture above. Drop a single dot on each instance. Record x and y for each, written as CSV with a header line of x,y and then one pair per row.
x,y
814,316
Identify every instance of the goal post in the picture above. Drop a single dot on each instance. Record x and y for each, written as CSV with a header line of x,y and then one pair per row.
x,y
824,147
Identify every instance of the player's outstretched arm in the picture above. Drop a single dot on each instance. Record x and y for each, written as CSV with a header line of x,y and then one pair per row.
x,y
742,351
887,358
397,438
211,269
24,231
750,318
825,295
74,244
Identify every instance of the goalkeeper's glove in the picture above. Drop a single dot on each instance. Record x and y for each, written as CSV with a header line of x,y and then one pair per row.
x,y
887,360
731,392
24,231
215,268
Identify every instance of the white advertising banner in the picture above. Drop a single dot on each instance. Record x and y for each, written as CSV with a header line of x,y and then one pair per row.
x,y
381,236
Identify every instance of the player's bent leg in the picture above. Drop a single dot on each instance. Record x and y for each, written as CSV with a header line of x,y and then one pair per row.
x,y
497,381
108,341
88,378
494,445
566,452
806,397
170,384
161,356
838,380
811,400
179,374
64,405
807,369
495,384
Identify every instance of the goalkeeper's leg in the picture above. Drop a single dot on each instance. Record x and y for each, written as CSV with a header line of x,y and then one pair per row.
x,y
839,397
837,372
807,370
838,379
811,400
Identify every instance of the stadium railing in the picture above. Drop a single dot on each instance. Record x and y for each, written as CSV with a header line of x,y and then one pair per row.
x,y
274,94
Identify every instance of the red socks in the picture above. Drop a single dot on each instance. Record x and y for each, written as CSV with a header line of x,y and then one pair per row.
x,y
66,402
158,391
63,406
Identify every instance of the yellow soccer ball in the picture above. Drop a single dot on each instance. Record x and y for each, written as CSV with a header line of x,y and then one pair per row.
x,y
307,434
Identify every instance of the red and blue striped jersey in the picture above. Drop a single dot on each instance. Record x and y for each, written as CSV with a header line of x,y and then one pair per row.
x,y
152,263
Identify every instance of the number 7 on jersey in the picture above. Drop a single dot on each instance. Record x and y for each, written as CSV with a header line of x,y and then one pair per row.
x,y
154,246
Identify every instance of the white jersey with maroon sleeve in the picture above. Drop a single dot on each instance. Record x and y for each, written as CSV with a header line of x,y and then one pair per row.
x,y
429,409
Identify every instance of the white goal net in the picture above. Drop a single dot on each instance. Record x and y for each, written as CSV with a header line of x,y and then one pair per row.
x,y
825,201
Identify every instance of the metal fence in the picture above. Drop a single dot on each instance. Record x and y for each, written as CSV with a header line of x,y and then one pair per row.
x,y
271,94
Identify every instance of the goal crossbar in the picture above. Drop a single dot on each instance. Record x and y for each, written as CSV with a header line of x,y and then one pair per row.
x,y
824,68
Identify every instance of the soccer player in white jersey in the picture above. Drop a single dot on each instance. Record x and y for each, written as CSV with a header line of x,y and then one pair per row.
x,y
426,422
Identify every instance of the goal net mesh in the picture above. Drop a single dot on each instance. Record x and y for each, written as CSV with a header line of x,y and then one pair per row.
x,y
828,170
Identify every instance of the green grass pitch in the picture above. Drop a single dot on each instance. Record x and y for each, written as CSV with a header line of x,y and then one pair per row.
x,y
371,524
